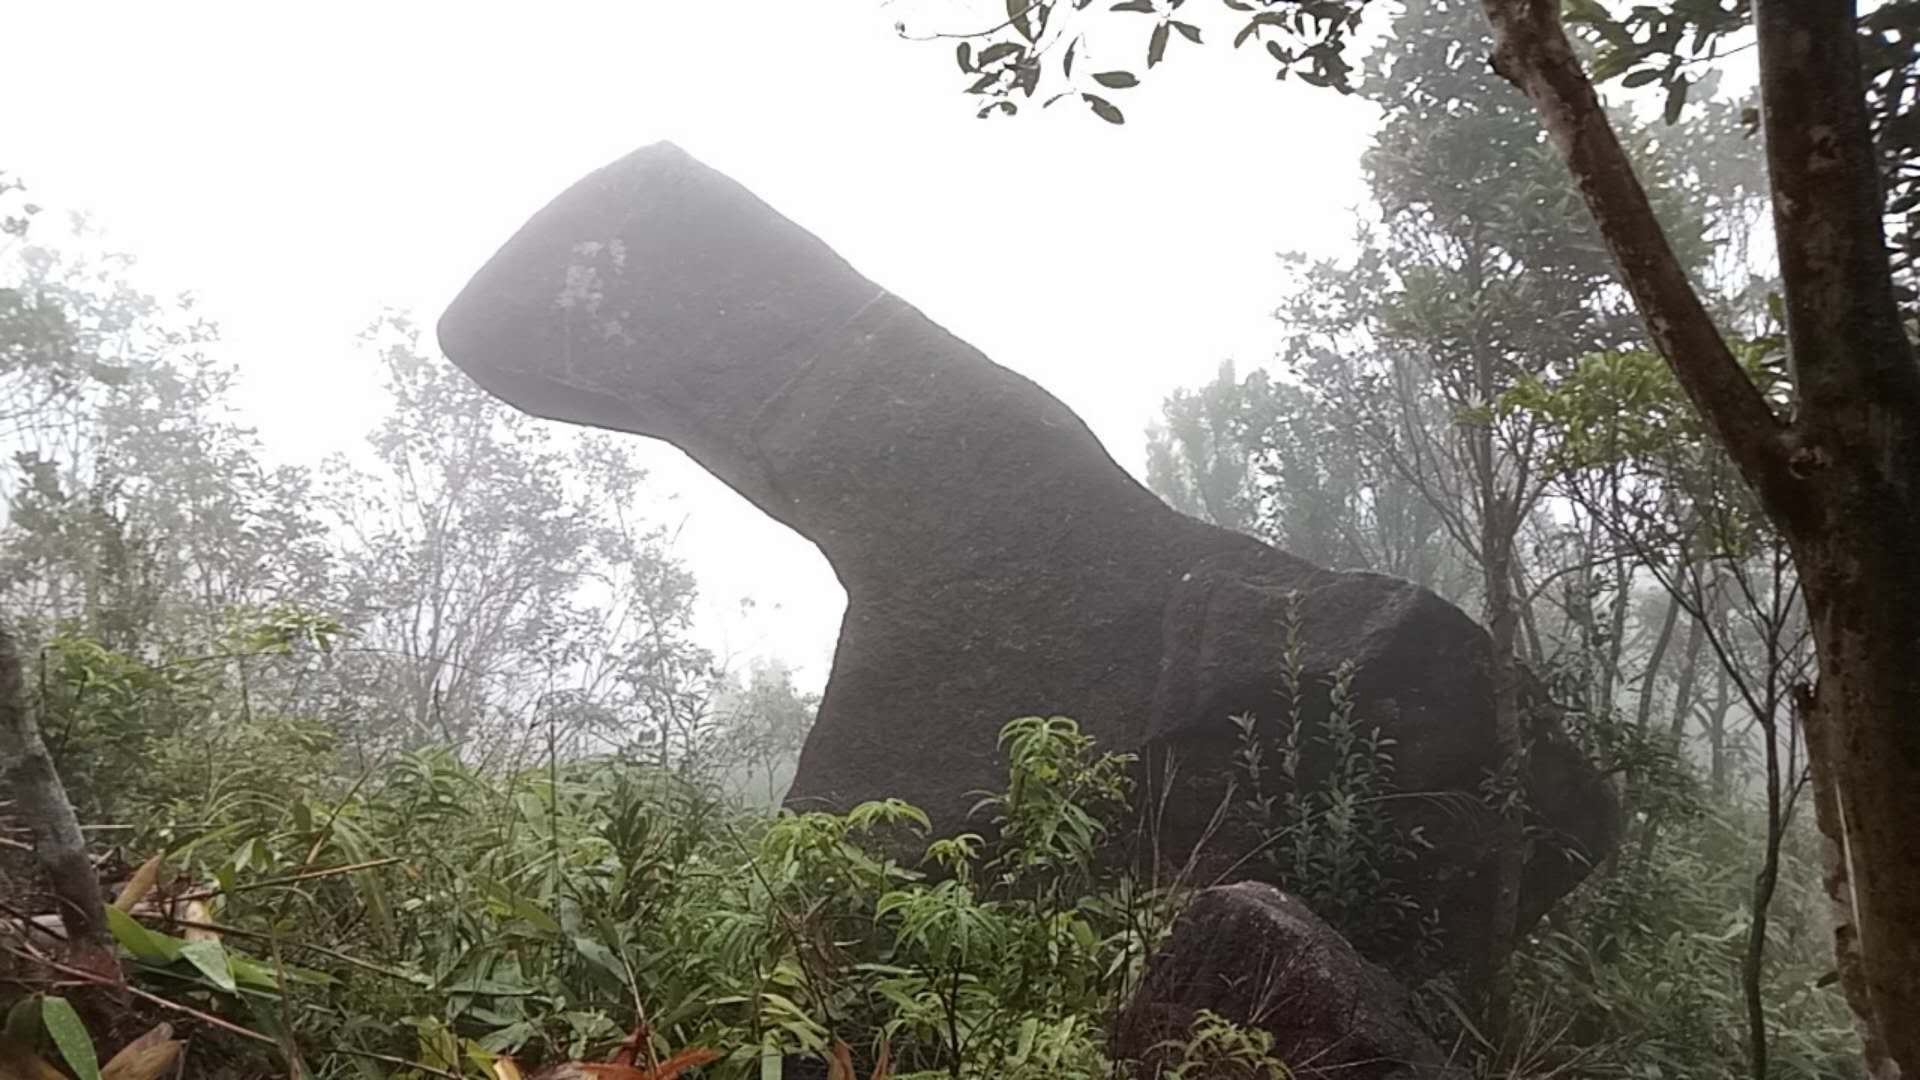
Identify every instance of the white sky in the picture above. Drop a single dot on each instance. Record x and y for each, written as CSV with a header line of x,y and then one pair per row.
x,y
301,166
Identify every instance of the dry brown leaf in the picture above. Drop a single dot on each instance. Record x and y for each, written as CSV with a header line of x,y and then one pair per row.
x,y
628,1052
670,1069
592,1071
840,1062
680,1062
196,911
146,1057
140,884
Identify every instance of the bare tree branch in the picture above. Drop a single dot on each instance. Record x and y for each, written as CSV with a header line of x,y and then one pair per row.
x,y
1531,50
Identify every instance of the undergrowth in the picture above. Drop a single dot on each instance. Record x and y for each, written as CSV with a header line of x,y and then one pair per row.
x,y
425,916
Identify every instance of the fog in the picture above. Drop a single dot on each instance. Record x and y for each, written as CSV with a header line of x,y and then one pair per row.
x,y
300,172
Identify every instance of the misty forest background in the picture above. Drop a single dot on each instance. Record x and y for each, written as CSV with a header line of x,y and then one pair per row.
x,y
460,666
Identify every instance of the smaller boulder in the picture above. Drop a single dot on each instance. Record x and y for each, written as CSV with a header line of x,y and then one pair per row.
x,y
1258,957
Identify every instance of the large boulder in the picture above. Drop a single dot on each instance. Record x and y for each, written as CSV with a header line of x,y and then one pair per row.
x,y
1255,956
997,562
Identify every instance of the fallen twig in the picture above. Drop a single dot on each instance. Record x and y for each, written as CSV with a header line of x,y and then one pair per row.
x,y
304,875
96,979
256,935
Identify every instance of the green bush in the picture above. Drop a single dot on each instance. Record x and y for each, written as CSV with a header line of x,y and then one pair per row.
x,y
546,913
428,910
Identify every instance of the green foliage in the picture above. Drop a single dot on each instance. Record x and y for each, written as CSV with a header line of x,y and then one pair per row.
x,y
69,1033
1013,959
432,911
496,578
1059,798
1671,48
544,912
1477,358
763,725
123,727
1278,460
1010,61
1626,408
1198,456
1218,1047
1317,789
430,747
486,567
1624,441
1641,971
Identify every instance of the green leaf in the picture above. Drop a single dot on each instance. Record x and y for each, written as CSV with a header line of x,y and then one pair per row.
x,y
488,986
1676,99
211,958
1584,11
1187,30
1612,61
525,908
995,53
1023,1046
1116,80
146,945
1066,65
70,1035
254,973
1145,7
1019,13
23,1021
509,1038
964,56
1157,46
602,957
1641,77
1083,935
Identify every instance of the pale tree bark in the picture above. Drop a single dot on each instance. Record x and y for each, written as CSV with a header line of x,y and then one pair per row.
x,y
1841,480
1689,672
1846,944
28,777
1644,706
1616,631
1510,851
1499,528
1714,724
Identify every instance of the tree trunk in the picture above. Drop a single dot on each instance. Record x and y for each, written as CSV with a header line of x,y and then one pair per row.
x,y
28,777
1659,655
1677,726
1857,545
1863,736
1716,731
1535,650
1499,526
1616,633
1839,481
1689,673
1846,938
1510,847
